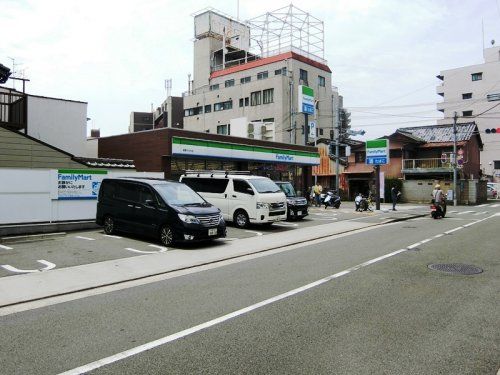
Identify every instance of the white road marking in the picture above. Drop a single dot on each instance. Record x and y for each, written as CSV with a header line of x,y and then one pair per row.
x,y
145,252
163,248
452,212
5,247
495,205
483,205
326,218
465,212
165,340
453,230
256,233
48,266
111,236
285,225
85,238
481,213
228,239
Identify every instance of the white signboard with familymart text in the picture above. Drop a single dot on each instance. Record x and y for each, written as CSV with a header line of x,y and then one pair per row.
x,y
377,152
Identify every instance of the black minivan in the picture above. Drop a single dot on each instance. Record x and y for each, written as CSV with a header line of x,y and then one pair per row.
x,y
168,210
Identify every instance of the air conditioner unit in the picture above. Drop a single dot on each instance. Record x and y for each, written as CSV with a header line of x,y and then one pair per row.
x,y
250,128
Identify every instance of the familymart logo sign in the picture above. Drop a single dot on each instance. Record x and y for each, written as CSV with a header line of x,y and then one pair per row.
x,y
306,100
377,152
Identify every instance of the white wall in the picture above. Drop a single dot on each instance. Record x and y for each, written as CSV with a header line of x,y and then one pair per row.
x,y
91,147
60,123
27,196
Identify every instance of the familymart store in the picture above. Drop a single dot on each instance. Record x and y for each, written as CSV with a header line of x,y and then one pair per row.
x,y
174,151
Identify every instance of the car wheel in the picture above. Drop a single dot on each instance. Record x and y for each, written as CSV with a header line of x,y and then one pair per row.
x,y
109,225
166,236
240,219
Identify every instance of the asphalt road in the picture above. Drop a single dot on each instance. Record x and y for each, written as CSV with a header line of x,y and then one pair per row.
x,y
389,315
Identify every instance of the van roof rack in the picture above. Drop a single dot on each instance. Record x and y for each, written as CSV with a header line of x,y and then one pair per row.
x,y
215,172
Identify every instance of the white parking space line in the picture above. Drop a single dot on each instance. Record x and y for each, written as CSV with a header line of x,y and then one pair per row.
x,y
111,236
228,239
159,247
48,266
481,213
145,252
5,247
483,205
255,232
285,225
85,238
495,205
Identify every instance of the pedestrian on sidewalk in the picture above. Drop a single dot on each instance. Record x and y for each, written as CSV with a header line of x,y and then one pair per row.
x,y
317,189
395,194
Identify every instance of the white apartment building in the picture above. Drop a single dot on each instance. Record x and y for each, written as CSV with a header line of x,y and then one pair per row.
x,y
237,91
473,92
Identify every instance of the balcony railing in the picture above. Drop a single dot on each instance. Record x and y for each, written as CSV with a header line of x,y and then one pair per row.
x,y
13,110
427,165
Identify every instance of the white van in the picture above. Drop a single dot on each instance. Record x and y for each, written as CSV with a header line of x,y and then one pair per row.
x,y
241,197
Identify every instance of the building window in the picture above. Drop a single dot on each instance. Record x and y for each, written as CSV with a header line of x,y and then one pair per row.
x,y
320,131
281,72
467,113
241,102
262,75
271,119
224,129
467,95
247,101
255,98
496,164
321,81
229,83
193,111
228,104
303,76
218,107
208,108
245,80
214,87
360,157
268,96
477,76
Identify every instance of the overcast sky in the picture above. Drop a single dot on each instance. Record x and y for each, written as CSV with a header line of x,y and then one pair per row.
x,y
384,54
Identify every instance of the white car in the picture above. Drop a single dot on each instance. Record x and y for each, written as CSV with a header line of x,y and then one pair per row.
x,y
241,197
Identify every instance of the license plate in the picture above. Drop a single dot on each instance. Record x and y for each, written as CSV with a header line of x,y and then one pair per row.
x,y
212,232
299,213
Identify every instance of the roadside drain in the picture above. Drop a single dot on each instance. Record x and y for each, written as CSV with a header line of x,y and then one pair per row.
x,y
456,268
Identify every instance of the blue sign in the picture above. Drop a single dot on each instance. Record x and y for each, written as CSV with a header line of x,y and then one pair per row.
x,y
308,108
376,160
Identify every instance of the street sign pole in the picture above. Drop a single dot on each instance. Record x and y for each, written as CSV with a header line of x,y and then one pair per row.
x,y
377,187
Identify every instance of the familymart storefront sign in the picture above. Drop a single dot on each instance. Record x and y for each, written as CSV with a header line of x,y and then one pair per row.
x,y
220,150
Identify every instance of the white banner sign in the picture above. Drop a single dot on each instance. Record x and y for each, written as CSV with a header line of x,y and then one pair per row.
x,y
79,183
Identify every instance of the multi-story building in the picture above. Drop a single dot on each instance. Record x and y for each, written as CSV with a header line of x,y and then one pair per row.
x,y
170,114
140,121
238,91
473,92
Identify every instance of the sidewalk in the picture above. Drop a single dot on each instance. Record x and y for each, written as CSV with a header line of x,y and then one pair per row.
x,y
34,286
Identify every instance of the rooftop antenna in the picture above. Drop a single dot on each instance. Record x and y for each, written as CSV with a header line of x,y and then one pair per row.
x,y
482,28
238,10
168,86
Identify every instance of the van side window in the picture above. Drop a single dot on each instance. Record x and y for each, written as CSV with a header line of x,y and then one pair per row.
x,y
206,185
107,190
145,194
241,186
128,192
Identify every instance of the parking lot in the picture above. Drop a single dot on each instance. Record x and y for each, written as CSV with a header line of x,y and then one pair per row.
x,y
59,250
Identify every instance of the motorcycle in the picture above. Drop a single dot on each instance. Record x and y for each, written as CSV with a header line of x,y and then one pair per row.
x,y
332,200
438,211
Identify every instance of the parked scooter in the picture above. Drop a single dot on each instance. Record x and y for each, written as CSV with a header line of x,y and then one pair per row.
x,y
438,211
332,199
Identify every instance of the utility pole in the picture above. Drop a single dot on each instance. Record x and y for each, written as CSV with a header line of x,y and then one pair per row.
x,y
337,151
455,159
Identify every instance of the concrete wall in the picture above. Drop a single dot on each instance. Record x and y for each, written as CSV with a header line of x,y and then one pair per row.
x,y
420,191
28,196
60,123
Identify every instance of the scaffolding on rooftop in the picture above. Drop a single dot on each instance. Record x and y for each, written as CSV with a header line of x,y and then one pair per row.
x,y
288,29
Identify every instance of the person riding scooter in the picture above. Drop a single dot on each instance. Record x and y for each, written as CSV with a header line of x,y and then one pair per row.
x,y
439,200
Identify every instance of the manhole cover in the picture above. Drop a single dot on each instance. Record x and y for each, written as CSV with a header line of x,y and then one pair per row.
x,y
456,268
